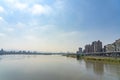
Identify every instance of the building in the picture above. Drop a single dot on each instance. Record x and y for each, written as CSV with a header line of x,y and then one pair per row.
x,y
1,51
96,46
79,51
117,45
114,47
88,48
110,48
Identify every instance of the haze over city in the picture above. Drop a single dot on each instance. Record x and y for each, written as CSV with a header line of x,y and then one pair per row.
x,y
57,25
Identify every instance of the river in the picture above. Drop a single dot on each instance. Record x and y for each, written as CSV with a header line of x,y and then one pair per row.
x,y
55,67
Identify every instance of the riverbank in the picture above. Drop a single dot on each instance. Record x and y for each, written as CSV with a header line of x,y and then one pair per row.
x,y
96,58
102,59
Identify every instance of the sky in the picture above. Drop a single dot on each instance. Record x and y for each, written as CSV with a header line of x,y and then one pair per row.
x,y
57,25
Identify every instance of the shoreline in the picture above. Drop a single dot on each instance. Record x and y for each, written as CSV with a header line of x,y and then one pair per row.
x,y
102,59
96,58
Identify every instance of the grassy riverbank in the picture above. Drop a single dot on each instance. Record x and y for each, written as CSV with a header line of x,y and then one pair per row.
x,y
97,58
103,59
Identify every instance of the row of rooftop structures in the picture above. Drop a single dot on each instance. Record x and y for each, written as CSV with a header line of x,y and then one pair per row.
x,y
97,46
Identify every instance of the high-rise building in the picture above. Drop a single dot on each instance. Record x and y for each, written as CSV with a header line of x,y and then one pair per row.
x,y
114,47
1,51
110,48
96,46
79,51
117,45
87,48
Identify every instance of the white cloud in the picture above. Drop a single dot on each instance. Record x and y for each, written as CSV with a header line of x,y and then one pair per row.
x,y
1,19
36,35
10,1
31,37
21,6
16,4
1,9
9,29
28,7
38,9
20,25
2,34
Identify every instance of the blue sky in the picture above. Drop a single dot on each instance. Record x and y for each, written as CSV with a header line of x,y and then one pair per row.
x,y
57,25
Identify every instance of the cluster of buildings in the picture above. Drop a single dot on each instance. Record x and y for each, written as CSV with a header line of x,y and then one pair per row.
x,y
2,52
114,47
97,46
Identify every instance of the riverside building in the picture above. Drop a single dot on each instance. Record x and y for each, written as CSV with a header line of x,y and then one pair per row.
x,y
96,46
114,47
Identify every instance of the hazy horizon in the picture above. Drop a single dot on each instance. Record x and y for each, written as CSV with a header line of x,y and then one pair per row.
x,y
57,25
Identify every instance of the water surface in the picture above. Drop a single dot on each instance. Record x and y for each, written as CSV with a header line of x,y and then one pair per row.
x,y
47,67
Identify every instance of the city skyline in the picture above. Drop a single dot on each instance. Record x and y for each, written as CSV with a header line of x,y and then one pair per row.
x,y
57,25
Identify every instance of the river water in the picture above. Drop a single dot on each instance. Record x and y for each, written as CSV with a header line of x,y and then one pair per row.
x,y
55,67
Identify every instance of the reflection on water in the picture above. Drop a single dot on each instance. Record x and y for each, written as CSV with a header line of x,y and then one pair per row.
x,y
113,70
97,67
45,67
104,70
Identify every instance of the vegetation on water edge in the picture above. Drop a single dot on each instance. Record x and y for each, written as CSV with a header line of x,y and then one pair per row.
x,y
97,58
105,59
